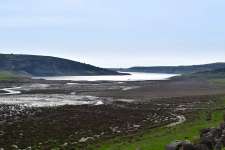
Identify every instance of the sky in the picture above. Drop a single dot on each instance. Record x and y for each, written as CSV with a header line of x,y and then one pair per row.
x,y
116,33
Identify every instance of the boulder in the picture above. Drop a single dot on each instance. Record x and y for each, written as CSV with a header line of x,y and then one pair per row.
x,y
201,147
174,145
187,146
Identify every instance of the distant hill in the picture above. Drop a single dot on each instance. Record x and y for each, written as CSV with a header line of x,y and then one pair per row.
x,y
218,73
176,69
48,66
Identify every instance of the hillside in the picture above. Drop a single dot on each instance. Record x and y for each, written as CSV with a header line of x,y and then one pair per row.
x,y
213,74
48,66
7,75
177,69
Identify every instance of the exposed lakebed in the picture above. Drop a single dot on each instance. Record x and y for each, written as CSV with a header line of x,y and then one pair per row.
x,y
52,99
88,112
26,95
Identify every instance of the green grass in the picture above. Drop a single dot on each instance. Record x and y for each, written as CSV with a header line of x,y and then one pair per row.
x,y
218,81
210,76
7,75
156,139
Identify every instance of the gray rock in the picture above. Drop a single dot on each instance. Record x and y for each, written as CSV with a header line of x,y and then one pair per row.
x,y
174,145
201,147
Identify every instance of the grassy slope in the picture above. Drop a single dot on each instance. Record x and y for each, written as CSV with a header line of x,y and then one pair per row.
x,y
156,139
216,77
220,81
7,75
178,69
36,65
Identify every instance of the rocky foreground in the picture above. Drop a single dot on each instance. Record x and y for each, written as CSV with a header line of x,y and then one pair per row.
x,y
210,139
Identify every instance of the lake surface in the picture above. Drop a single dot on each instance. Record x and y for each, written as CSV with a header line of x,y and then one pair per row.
x,y
135,76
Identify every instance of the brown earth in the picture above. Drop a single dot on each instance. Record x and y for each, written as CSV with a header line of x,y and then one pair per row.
x,y
129,107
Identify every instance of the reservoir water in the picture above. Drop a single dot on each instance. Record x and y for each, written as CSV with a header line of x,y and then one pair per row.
x,y
134,76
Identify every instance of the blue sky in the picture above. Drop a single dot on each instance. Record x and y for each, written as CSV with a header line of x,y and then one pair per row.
x,y
116,33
